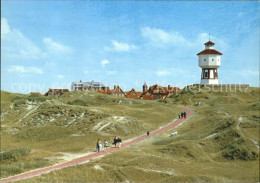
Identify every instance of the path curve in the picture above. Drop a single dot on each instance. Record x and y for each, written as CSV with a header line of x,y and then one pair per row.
x,y
83,159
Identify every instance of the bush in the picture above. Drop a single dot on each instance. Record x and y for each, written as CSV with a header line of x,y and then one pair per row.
x,y
13,99
36,98
239,153
224,125
14,155
78,102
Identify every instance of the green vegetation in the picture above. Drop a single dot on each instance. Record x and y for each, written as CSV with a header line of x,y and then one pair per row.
x,y
71,123
219,143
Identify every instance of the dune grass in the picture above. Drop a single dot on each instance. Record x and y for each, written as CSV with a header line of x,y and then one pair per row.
x,y
214,145
50,126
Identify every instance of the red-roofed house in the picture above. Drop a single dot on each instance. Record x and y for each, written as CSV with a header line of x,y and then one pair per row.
x,y
118,92
56,92
133,94
158,92
35,93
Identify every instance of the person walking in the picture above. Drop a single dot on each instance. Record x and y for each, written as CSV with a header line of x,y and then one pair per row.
x,y
148,133
184,114
119,140
105,145
98,146
115,141
185,103
179,115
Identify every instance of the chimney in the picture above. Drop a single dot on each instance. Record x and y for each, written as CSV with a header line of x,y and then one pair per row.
x,y
169,86
114,87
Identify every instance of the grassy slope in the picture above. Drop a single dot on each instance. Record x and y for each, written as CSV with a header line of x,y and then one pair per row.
x,y
36,131
215,145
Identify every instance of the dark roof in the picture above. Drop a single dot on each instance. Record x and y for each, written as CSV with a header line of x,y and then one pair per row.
x,y
209,43
209,51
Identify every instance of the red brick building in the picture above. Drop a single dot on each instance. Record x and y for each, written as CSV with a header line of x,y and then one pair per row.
x,y
157,92
56,92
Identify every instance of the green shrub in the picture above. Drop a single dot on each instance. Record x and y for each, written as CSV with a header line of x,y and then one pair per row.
x,y
14,155
78,102
235,152
15,98
36,98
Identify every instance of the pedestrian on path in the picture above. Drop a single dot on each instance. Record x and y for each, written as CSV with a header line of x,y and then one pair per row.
x,y
115,141
98,146
179,115
105,145
119,140
148,133
184,114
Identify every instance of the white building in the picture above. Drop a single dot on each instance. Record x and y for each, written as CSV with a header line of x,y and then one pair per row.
x,y
82,86
209,61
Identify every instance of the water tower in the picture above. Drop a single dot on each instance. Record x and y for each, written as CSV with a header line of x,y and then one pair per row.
x,y
209,61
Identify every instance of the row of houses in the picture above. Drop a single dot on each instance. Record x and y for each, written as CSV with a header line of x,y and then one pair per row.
x,y
152,93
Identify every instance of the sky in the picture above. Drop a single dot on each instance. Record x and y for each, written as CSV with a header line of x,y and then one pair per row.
x,y
50,44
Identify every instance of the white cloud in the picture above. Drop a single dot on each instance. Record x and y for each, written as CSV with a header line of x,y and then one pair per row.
x,y
54,47
16,45
5,29
22,69
111,72
104,62
60,76
120,47
163,73
159,37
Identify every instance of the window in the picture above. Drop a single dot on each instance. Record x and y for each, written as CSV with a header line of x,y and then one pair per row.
x,y
206,74
204,59
212,59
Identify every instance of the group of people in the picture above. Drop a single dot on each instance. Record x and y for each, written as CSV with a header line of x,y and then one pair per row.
x,y
182,115
99,145
197,103
117,140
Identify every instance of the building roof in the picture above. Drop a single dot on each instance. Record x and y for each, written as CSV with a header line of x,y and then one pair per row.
x,y
106,90
209,51
209,43
117,90
35,93
89,84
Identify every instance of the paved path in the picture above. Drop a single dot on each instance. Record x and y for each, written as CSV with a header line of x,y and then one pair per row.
x,y
74,162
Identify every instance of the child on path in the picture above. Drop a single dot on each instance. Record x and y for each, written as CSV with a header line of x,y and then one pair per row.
x,y
105,145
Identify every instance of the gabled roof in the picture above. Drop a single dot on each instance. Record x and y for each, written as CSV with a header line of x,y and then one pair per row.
x,y
209,51
118,90
209,43
35,93
106,90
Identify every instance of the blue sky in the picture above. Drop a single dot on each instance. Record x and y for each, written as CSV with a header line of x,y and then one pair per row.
x,y
49,44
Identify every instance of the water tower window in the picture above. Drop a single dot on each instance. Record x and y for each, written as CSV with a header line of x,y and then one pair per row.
x,y
206,74
204,59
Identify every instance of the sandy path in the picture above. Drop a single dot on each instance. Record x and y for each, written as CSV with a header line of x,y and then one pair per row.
x,y
83,159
